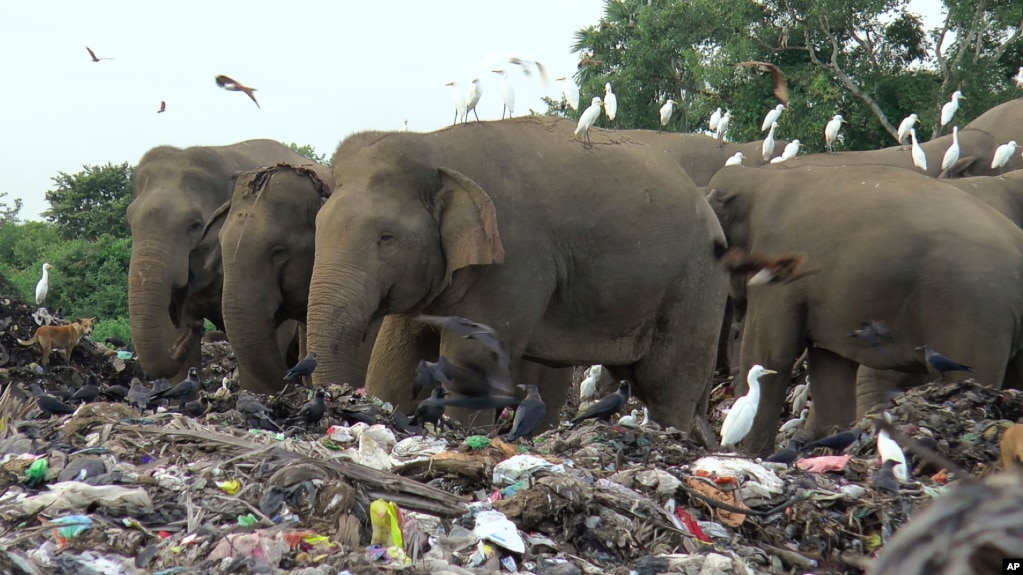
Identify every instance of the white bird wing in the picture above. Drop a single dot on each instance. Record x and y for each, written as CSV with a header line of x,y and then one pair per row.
x,y
714,119
889,450
770,118
951,157
947,111
739,420
611,105
571,92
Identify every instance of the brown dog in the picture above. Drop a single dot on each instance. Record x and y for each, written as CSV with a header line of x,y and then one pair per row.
x,y
65,337
1012,448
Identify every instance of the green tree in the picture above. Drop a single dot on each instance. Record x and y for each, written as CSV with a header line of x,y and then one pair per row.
x,y
92,202
8,213
310,152
869,60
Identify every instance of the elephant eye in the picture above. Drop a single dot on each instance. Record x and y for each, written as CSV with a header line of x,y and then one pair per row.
x,y
278,251
386,238
196,226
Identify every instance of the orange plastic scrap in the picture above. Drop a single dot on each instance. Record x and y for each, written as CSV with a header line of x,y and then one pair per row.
x,y
729,518
940,477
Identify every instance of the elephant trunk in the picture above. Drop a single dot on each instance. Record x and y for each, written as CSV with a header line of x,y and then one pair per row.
x,y
342,302
252,329
150,290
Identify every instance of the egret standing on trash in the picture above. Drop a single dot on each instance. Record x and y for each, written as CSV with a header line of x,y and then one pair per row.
x,y
739,420
43,287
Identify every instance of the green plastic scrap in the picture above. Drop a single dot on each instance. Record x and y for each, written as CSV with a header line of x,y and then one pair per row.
x,y
247,520
477,442
36,472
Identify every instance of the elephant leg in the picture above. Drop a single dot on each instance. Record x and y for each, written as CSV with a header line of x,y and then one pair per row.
x,y
1014,373
399,345
288,342
877,387
554,383
834,402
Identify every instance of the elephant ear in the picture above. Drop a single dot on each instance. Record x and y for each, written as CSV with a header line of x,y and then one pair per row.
x,y
468,223
719,199
961,167
211,237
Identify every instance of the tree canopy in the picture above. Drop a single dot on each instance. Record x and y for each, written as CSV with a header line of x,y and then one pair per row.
x,y
309,152
870,60
90,203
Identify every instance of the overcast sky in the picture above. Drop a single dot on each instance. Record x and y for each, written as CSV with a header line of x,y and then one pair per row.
x,y
322,69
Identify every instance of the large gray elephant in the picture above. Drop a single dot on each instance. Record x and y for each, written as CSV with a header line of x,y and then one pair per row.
x,y
699,155
935,265
574,254
1005,123
175,273
976,150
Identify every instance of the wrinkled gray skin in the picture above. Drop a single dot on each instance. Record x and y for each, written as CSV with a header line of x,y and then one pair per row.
x,y
699,155
976,148
1005,123
884,241
518,225
175,273
267,234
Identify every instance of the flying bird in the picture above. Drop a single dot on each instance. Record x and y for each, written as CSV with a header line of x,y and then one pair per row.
x,y
831,131
837,442
1002,154
787,455
232,85
766,269
735,160
952,153
469,329
93,55
768,147
528,415
723,125
304,368
43,286
940,363
781,89
431,409
919,157
714,119
739,420
950,107
431,374
772,117
905,126
311,411
472,99
666,111
610,102
570,91
507,93
890,451
588,387
184,391
163,107
526,64
459,99
607,406
884,480
48,404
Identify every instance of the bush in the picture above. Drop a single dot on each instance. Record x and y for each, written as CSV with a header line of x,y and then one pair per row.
x,y
116,327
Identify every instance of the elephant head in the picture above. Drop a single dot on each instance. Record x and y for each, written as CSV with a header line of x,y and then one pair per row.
x,y
1004,122
388,242
267,242
174,274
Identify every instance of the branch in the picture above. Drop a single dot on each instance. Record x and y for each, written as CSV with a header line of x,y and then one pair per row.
x,y
997,54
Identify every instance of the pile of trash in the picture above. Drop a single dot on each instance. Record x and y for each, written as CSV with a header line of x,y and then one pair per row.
x,y
113,489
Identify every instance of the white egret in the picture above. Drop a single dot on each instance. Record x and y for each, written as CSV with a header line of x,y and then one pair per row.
x,y
610,102
831,131
646,417
889,450
1018,78
952,153
723,125
404,127
739,420
44,285
904,127
1002,154
588,118
800,395
472,99
768,146
631,420
570,91
794,423
950,107
790,151
459,99
714,119
772,117
507,93
735,160
919,157
588,387
666,111
525,63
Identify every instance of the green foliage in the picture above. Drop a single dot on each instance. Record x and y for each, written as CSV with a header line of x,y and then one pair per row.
x,y
310,152
116,327
869,60
9,214
92,202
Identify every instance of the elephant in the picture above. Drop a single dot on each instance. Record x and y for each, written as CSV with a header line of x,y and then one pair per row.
x,y
175,274
881,243
1005,123
701,156
575,254
1003,193
976,150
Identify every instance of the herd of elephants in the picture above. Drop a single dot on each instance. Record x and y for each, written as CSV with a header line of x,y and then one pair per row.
x,y
585,254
